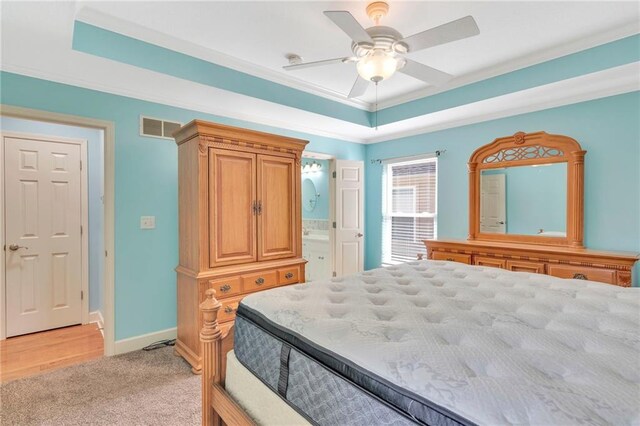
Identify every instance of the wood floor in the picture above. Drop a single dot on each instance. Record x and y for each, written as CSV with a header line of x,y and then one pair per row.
x,y
31,354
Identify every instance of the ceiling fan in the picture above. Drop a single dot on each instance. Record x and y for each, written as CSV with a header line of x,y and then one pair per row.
x,y
378,51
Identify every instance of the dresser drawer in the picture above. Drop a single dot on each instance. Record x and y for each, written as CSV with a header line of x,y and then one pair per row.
x,y
491,262
259,281
525,266
226,287
228,310
583,273
289,275
452,257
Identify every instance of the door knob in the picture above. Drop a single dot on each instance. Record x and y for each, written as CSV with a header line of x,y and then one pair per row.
x,y
359,235
15,247
501,222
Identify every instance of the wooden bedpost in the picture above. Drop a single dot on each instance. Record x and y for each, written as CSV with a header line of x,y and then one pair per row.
x,y
211,340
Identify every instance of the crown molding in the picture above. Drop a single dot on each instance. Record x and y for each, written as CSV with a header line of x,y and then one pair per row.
x,y
133,30
524,61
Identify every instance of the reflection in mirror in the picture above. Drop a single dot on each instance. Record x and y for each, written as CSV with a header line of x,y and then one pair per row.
x,y
309,195
524,200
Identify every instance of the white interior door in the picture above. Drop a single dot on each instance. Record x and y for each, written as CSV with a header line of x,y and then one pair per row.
x,y
43,219
493,217
349,232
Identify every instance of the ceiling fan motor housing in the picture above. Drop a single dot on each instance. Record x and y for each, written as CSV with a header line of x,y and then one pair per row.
x,y
384,38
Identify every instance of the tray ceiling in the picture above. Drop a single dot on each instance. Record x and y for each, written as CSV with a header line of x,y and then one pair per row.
x,y
260,34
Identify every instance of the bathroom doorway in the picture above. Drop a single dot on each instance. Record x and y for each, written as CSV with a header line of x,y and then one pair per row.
x,y
318,215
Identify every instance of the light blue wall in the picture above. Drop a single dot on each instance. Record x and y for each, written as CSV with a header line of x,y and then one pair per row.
x,y
607,128
321,180
146,183
95,174
536,198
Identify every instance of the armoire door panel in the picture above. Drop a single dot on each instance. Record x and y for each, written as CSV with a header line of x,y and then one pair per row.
x,y
277,208
232,220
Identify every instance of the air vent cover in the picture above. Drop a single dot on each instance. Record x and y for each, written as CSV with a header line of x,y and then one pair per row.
x,y
157,128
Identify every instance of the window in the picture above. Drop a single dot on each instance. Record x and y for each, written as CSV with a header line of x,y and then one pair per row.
x,y
409,208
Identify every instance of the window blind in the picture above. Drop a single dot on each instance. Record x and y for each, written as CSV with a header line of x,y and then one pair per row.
x,y
409,208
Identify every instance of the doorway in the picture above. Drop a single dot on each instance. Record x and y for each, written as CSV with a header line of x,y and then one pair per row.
x,y
332,216
317,215
101,317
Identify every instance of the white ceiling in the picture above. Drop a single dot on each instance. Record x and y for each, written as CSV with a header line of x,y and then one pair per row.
x,y
258,35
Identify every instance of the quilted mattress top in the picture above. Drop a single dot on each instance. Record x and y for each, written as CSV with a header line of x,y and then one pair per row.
x,y
493,346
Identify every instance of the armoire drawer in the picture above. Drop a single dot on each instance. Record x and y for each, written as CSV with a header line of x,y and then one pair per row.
x,y
226,287
289,275
259,281
228,310
583,273
452,257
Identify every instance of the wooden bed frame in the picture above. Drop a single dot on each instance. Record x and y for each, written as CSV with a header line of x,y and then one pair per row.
x,y
218,407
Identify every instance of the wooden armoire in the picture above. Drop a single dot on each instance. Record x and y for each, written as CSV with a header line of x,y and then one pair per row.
x,y
240,221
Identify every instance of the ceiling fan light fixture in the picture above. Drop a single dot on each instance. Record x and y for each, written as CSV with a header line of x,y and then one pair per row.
x,y
378,66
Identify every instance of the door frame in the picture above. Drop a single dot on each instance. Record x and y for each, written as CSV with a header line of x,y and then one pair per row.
x,y
108,127
84,218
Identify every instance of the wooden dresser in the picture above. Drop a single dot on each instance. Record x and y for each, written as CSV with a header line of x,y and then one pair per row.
x,y
239,220
563,262
492,243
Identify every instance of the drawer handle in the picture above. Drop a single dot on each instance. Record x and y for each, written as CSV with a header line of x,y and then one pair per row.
x,y
228,309
321,257
225,288
450,259
288,275
260,281
580,277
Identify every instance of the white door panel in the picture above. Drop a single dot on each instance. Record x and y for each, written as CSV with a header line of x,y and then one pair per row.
x,y
349,231
43,257
493,204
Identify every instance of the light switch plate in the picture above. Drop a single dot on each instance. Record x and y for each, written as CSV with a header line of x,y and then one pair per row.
x,y
147,222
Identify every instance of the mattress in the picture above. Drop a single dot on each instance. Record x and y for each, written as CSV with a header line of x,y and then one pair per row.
x,y
443,343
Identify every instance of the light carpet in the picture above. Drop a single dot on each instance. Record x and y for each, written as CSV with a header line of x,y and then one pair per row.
x,y
138,388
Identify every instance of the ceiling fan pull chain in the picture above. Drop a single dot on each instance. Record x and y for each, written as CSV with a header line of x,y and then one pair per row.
x,y
376,83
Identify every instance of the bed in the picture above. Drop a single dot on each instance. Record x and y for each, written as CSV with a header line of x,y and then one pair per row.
x,y
427,342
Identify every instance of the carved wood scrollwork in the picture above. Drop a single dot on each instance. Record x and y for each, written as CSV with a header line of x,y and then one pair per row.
x,y
523,153
202,147
519,138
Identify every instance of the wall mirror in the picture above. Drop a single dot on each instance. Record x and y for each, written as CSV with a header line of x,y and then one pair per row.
x,y
309,195
527,188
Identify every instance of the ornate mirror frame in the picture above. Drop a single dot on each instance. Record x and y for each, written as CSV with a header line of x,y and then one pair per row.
x,y
523,149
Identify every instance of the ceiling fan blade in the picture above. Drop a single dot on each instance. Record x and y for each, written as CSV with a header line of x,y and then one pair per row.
x,y
445,33
359,87
315,63
425,73
349,25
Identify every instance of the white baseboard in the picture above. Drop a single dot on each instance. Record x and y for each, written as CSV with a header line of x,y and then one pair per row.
x,y
138,342
96,316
